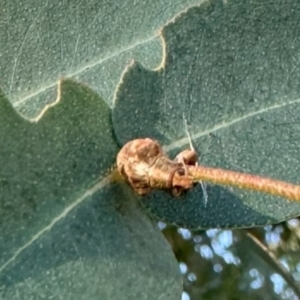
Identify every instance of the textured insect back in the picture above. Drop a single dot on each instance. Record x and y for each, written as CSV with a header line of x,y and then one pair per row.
x,y
143,164
134,161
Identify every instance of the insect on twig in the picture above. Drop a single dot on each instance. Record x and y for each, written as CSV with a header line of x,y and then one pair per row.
x,y
145,166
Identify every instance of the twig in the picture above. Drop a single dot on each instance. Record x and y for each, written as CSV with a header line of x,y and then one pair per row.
x,y
246,181
144,165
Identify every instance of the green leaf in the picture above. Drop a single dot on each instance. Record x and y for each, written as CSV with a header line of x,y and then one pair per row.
x,y
88,41
231,71
65,231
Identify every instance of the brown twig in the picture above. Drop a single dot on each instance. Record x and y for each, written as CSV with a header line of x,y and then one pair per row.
x,y
247,181
146,167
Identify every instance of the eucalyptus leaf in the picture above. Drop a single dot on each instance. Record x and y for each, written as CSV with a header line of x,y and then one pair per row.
x,y
65,230
42,41
230,71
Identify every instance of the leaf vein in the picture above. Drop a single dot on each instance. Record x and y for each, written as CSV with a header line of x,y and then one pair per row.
x,y
65,212
185,140
86,67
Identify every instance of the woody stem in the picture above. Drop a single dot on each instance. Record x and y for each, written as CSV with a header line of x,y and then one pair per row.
x,y
245,181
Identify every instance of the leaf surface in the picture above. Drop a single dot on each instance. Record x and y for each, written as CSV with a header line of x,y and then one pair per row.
x,y
42,41
65,230
231,72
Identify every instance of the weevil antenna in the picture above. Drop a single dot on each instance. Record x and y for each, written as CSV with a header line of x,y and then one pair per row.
x,y
202,183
